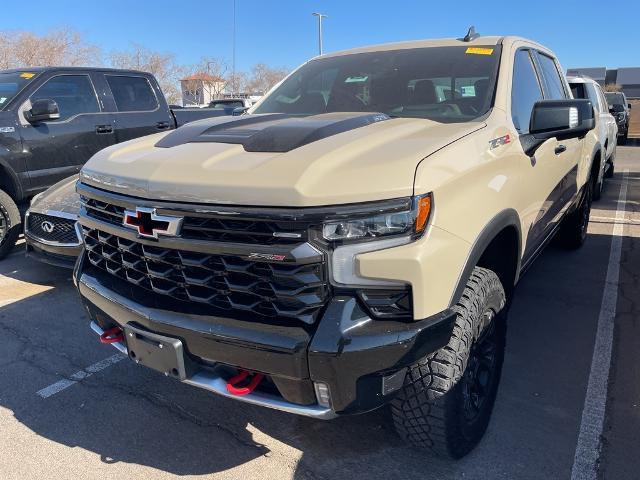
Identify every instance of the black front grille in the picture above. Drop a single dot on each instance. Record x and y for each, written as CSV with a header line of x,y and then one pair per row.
x,y
215,228
225,283
63,230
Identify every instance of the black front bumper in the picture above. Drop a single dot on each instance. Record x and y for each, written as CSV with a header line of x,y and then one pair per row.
x,y
58,255
362,360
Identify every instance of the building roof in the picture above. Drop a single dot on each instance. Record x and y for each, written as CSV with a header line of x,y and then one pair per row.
x,y
629,76
205,77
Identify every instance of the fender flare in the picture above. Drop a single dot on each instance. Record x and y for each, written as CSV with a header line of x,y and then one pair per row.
x,y
603,154
13,178
506,218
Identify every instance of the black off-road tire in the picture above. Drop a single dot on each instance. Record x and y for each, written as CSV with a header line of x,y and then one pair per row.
x,y
447,397
9,224
597,189
573,231
612,166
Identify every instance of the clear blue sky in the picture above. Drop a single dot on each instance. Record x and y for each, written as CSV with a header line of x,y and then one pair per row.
x,y
283,32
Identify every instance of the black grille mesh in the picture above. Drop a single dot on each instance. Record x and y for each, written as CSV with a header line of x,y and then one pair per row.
x,y
63,228
223,282
215,228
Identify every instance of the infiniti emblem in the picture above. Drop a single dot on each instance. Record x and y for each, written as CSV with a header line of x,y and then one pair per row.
x,y
47,226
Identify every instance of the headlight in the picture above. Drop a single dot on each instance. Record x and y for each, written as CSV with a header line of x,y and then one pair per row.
x,y
411,221
384,229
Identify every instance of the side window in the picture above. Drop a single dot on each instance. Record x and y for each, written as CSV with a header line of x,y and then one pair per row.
x,y
74,95
132,94
593,96
525,91
553,83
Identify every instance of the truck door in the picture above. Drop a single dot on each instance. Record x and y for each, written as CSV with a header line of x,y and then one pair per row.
x,y
552,168
565,154
57,149
140,109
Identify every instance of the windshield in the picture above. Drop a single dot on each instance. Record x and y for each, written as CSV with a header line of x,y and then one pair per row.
x,y
445,84
615,99
11,84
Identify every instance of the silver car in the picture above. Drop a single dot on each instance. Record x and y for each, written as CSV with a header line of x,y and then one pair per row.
x,y
50,226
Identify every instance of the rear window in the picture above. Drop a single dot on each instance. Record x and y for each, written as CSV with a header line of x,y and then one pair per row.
x,y
578,91
221,104
132,94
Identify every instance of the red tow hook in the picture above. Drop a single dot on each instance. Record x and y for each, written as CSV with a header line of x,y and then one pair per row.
x,y
113,335
232,384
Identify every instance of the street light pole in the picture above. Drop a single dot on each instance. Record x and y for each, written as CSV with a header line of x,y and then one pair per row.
x,y
320,17
233,67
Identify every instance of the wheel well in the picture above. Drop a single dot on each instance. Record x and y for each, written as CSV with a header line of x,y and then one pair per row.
x,y
595,167
7,183
502,257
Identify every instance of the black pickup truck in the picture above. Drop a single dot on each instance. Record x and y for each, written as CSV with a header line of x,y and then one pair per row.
x,y
53,119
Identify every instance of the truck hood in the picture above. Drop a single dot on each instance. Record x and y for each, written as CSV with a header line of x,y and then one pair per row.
x,y
275,160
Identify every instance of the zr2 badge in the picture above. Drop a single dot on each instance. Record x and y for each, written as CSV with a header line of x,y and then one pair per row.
x,y
498,142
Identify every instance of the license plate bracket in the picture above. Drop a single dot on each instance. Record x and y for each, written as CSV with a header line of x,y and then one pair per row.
x,y
158,352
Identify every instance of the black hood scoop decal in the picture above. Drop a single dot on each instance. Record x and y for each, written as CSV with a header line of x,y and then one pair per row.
x,y
270,132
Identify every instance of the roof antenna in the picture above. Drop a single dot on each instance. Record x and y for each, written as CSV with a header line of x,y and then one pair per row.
x,y
471,34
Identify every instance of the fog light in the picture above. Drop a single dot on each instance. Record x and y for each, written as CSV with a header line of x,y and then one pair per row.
x,y
322,394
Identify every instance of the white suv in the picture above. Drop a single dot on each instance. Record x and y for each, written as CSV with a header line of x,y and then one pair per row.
x,y
605,135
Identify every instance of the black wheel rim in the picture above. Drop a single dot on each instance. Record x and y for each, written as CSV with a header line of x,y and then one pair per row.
x,y
4,225
479,376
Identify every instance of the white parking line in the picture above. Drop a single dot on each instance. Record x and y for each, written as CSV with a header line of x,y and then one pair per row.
x,y
588,447
57,387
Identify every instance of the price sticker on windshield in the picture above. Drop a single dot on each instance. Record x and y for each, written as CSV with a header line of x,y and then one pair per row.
x,y
27,75
479,51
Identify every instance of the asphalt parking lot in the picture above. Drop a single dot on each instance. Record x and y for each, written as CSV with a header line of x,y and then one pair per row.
x,y
70,408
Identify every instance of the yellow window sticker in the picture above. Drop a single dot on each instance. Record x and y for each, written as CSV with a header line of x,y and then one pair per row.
x,y
27,75
479,51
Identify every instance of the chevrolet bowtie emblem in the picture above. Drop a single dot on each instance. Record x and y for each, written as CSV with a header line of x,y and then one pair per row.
x,y
149,224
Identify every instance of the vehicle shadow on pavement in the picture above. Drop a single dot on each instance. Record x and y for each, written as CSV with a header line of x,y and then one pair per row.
x,y
130,415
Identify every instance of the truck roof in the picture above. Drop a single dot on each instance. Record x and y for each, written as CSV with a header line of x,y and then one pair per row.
x,y
442,42
74,69
580,79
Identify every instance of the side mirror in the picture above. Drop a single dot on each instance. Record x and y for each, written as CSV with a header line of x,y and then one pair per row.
x,y
42,110
612,109
629,105
239,111
560,119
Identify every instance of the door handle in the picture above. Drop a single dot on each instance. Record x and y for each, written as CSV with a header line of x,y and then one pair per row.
x,y
162,125
104,129
560,149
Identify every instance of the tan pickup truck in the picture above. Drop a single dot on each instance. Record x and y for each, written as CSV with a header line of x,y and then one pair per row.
x,y
353,242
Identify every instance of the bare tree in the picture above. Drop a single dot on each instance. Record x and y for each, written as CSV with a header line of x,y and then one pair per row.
x,y
239,83
162,65
58,47
263,77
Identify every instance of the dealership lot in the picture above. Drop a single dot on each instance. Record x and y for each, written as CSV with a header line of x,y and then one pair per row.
x,y
69,408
